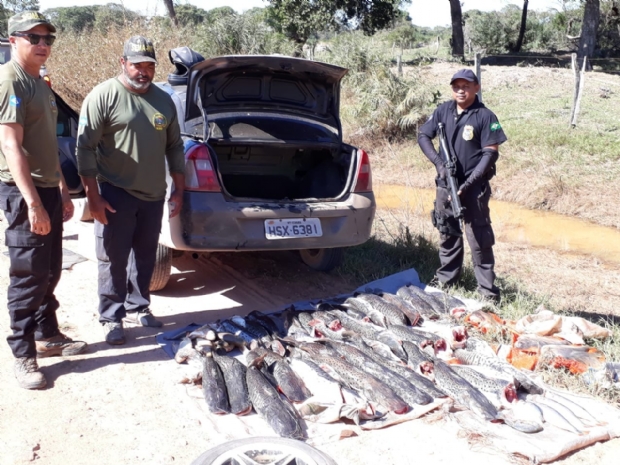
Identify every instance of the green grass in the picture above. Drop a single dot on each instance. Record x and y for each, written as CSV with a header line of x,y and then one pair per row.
x,y
383,256
390,251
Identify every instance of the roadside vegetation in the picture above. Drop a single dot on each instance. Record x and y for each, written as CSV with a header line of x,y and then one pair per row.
x,y
545,165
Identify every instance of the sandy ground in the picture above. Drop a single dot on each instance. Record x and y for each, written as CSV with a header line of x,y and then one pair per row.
x,y
123,404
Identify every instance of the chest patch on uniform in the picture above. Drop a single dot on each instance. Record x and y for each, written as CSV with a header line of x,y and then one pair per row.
x,y
159,121
468,132
14,101
53,104
496,126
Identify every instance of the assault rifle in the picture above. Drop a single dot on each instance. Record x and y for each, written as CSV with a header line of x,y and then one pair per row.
x,y
448,160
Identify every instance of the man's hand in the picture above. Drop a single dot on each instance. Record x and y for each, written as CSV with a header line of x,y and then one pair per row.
x,y
67,204
98,206
175,202
441,171
39,220
67,210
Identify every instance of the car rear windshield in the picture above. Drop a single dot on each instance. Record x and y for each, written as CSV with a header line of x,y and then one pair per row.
x,y
265,127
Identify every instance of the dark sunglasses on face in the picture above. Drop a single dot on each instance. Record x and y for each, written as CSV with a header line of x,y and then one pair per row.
x,y
36,38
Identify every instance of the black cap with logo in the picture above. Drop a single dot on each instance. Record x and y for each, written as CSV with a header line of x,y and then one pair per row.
x,y
139,49
466,74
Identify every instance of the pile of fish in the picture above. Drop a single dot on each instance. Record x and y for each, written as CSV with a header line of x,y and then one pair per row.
x,y
364,357
546,340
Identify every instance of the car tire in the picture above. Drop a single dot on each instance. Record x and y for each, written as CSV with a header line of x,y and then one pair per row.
x,y
163,266
282,450
322,259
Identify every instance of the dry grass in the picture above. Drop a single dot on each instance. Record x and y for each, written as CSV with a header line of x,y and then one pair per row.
x,y
81,61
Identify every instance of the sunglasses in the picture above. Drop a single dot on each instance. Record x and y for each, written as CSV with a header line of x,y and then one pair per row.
x,y
36,38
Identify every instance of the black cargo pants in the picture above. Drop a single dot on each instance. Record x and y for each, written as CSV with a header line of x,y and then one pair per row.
x,y
479,236
132,231
35,269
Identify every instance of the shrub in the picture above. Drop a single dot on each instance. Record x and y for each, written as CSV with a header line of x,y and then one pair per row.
x,y
245,34
378,101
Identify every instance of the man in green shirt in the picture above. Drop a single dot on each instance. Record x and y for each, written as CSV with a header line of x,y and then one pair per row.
x,y
128,131
34,198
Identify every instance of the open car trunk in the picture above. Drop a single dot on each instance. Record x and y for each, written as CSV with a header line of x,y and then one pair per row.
x,y
285,172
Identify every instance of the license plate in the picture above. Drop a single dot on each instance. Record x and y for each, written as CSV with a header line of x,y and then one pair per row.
x,y
293,227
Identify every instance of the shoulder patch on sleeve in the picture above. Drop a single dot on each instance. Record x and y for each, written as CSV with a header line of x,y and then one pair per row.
x,y
496,126
15,101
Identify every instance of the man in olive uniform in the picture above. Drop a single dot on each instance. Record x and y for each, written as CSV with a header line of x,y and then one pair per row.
x,y
128,130
474,135
34,198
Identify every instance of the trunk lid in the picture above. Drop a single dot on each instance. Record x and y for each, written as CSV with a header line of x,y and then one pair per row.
x,y
266,85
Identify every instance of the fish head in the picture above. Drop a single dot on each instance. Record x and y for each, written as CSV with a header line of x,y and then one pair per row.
x,y
459,337
458,312
427,368
510,393
427,343
415,318
256,361
459,333
335,325
278,347
440,344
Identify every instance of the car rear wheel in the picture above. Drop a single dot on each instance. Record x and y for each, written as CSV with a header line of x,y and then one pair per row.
x,y
322,259
163,266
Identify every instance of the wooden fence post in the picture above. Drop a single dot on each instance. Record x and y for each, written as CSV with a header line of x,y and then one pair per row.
x,y
479,74
580,78
437,49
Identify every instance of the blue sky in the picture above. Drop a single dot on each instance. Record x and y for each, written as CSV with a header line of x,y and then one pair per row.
x,y
424,12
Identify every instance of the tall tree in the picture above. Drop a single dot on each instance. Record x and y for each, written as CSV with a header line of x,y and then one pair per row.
x,y
9,7
589,28
72,18
522,28
300,19
15,6
458,42
190,14
170,7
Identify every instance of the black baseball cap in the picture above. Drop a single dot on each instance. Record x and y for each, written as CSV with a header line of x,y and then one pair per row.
x,y
466,74
139,49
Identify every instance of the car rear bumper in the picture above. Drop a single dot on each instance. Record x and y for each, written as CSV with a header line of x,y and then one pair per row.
x,y
209,223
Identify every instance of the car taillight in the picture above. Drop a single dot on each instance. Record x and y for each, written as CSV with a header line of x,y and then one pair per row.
x,y
363,182
199,172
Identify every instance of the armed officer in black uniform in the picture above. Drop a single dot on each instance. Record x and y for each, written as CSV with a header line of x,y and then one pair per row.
x,y
474,135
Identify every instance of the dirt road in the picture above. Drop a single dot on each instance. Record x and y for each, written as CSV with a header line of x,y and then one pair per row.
x,y
123,404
